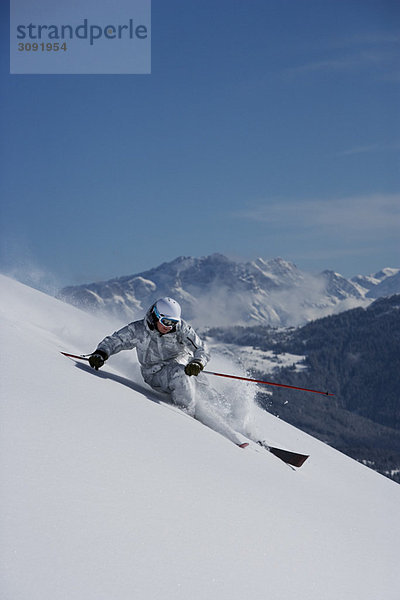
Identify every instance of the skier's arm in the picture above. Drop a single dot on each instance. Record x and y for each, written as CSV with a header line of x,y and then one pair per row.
x,y
123,339
196,346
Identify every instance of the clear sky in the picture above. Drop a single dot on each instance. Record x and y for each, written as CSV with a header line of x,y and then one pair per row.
x,y
266,128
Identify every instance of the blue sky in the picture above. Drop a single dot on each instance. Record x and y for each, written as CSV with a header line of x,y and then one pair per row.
x,y
266,128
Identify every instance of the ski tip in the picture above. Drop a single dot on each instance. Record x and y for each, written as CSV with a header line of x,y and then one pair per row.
x,y
244,445
291,458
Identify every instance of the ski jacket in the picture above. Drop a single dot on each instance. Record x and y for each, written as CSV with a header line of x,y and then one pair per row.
x,y
155,350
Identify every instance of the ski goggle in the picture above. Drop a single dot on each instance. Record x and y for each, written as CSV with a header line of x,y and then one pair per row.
x,y
166,321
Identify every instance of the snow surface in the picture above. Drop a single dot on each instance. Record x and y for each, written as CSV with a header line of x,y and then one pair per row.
x,y
108,492
253,359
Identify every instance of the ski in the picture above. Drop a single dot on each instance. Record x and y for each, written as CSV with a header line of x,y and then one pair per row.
x,y
291,458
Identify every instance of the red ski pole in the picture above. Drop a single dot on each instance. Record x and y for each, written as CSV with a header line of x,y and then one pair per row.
x,y
292,387
79,356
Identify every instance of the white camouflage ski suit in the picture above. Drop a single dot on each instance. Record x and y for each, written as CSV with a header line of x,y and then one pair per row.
x,y
163,359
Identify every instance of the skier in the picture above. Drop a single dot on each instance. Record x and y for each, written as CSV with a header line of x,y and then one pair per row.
x,y
171,357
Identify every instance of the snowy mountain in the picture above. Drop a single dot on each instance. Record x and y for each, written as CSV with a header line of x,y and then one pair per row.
x,y
386,287
110,492
215,290
371,282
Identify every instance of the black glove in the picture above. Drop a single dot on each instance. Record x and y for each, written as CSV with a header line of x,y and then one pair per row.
x,y
97,359
193,368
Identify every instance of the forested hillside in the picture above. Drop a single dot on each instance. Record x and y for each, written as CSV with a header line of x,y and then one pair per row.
x,y
356,356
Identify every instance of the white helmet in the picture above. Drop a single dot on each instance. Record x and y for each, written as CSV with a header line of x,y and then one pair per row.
x,y
167,311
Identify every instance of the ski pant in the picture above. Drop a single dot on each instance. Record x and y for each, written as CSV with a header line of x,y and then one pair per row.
x,y
195,395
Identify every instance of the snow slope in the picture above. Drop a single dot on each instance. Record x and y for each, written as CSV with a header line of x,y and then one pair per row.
x,y
110,493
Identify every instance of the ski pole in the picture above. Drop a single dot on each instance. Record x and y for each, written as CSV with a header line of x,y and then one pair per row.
x,y
292,387
79,356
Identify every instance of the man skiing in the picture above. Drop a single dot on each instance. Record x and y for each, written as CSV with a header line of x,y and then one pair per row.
x,y
170,353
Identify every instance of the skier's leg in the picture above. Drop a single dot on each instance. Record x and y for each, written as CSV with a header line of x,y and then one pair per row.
x,y
196,396
209,410
182,388
206,414
172,379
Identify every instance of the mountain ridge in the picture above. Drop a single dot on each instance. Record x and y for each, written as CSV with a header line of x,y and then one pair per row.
x,y
270,292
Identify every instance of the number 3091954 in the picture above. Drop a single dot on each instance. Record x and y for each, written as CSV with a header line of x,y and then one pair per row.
x,y
42,47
